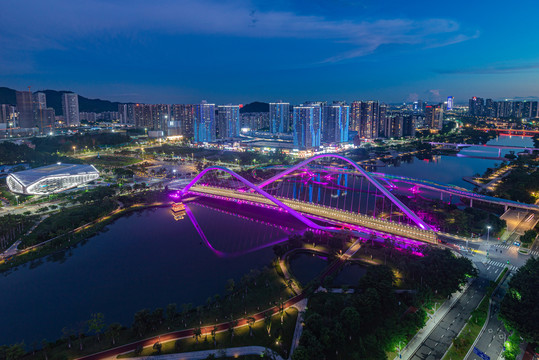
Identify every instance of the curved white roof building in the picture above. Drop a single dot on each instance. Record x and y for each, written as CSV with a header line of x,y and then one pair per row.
x,y
51,179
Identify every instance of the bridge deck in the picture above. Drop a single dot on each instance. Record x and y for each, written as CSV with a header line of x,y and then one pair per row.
x,y
342,216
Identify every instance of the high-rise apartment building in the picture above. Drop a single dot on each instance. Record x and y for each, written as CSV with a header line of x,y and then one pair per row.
x,y
255,120
450,101
409,123
476,106
40,106
228,121
183,116
307,126
335,123
205,129
368,118
8,116
434,116
25,107
70,108
279,117
394,126
160,117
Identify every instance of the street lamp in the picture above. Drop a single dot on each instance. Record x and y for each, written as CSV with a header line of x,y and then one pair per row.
x,y
488,232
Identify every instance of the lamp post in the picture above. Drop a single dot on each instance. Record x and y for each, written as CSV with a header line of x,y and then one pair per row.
x,y
488,232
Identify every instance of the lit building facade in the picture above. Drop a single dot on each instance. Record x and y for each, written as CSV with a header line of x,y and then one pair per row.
x,y
228,121
70,108
50,179
307,126
335,123
204,126
279,117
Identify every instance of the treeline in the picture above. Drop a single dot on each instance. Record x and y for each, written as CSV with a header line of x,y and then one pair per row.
x,y
12,227
65,144
519,309
67,220
375,320
521,183
11,153
451,219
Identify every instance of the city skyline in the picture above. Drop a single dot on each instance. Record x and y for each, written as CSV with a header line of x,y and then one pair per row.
x,y
255,51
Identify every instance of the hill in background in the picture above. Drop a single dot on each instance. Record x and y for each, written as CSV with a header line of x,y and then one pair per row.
x,y
255,107
54,100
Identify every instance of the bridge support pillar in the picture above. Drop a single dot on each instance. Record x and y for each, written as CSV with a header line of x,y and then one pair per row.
x,y
500,152
505,207
471,202
441,195
450,199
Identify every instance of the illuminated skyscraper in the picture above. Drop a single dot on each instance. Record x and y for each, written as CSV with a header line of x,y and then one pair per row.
x,y
204,128
307,123
434,116
450,100
335,123
228,121
70,108
279,115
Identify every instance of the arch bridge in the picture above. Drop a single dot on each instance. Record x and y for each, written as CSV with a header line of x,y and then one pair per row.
x,y
355,202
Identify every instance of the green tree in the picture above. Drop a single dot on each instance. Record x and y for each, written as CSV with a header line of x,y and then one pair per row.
x,y
519,309
15,351
197,332
528,236
114,332
171,312
267,322
96,324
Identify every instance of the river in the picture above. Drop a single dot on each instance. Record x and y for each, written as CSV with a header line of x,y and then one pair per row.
x,y
148,260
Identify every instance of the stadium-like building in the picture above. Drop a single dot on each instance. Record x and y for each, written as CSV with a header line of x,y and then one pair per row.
x,y
51,179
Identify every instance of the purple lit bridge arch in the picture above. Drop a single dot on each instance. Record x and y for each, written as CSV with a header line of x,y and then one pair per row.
x,y
419,222
257,189
372,226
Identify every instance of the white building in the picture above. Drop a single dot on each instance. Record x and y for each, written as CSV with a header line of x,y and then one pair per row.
x,y
51,179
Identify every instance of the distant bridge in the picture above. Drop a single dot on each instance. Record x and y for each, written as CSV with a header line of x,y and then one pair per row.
x,y
499,147
510,131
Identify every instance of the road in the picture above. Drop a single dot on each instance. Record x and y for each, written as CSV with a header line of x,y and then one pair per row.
x,y
492,340
440,338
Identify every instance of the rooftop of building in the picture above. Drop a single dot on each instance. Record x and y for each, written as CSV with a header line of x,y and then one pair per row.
x,y
27,177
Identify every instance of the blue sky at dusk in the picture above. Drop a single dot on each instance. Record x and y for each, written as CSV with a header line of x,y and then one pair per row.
x,y
240,51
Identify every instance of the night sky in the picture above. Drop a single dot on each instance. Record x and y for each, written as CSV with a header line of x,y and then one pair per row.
x,y
240,51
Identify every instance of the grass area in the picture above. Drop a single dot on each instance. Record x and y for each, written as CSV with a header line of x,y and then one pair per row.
x,y
112,160
461,344
279,340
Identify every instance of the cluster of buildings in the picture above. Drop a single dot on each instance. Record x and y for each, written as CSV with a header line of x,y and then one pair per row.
x,y
311,124
503,109
32,115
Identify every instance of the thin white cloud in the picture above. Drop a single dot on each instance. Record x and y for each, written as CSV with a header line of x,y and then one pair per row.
x,y
50,24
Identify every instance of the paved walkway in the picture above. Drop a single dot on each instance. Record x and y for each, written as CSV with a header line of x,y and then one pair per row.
x,y
301,306
433,321
200,355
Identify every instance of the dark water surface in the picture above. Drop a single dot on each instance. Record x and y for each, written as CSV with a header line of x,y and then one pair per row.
x,y
144,260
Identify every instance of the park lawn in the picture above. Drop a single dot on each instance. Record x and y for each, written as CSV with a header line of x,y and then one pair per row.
x,y
112,160
241,338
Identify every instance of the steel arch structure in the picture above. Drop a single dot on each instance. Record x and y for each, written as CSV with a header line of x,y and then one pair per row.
x,y
254,187
369,177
